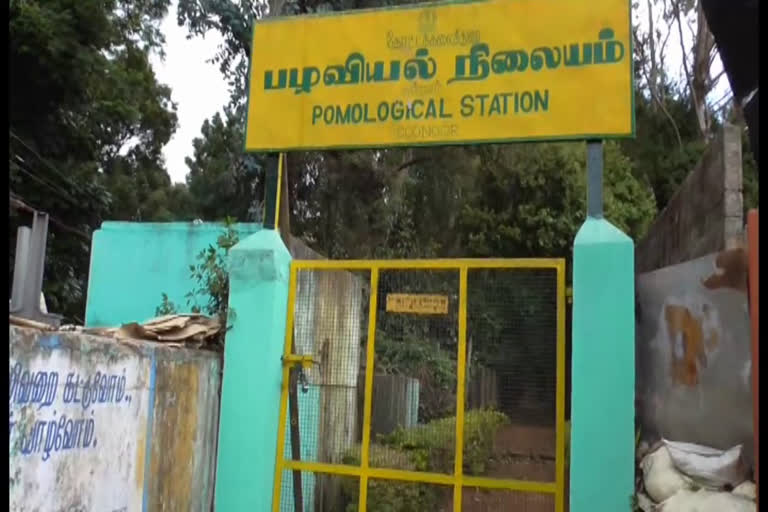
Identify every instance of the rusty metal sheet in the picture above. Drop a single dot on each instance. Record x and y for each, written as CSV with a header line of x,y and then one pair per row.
x,y
693,352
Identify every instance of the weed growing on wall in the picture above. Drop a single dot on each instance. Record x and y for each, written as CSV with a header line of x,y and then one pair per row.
x,y
210,275
166,307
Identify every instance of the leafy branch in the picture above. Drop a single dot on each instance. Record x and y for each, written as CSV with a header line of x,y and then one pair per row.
x,y
211,277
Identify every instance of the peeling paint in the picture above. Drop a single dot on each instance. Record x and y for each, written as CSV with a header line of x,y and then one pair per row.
x,y
108,463
94,405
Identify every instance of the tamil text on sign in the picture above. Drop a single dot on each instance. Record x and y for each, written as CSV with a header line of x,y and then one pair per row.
x,y
487,71
417,303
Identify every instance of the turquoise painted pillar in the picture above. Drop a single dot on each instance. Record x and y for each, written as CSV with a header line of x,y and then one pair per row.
x,y
250,391
602,455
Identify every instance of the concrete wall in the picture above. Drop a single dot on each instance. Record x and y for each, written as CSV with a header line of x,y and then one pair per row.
x,y
693,333
705,215
144,438
694,352
133,263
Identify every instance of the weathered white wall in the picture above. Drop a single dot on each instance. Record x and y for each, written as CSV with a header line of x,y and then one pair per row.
x,y
89,430
77,426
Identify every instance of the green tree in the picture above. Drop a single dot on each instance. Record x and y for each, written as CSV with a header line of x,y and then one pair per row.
x,y
223,180
88,120
485,201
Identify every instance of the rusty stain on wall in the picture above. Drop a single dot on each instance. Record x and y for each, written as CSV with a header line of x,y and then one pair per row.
x,y
732,268
174,436
185,431
687,345
693,353
141,448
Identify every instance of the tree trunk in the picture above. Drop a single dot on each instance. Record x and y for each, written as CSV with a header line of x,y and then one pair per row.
x,y
700,81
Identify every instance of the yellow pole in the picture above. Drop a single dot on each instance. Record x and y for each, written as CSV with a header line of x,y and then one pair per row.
x,y
560,393
461,373
369,362
278,192
279,459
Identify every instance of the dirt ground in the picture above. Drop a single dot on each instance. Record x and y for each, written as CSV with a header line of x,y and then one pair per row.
x,y
521,453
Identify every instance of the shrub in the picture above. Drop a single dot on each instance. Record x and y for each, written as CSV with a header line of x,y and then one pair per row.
x,y
427,447
432,446
387,495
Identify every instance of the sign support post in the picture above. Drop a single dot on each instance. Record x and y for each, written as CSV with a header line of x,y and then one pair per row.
x,y
603,356
272,187
595,179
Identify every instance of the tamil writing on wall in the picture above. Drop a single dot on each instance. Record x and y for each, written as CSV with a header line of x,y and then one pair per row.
x,y
76,423
461,72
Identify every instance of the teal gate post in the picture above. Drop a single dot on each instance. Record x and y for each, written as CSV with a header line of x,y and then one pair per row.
x,y
603,358
250,391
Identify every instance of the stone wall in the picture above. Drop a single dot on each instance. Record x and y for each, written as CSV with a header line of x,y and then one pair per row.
x,y
705,215
102,425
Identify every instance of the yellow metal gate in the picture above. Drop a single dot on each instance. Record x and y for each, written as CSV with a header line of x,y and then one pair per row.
x,y
423,385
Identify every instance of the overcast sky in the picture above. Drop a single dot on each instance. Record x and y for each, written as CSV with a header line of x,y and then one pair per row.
x,y
199,90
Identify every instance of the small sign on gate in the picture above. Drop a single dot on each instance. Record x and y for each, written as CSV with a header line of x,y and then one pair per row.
x,y
419,304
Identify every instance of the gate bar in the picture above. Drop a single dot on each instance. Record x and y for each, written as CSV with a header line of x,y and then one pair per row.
x,y
436,264
560,392
423,477
461,374
369,362
279,462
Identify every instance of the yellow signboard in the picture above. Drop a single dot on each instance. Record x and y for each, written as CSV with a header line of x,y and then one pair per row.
x,y
417,303
482,71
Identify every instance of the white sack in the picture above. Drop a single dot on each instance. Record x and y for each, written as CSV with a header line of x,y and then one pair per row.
x,y
660,477
707,501
708,466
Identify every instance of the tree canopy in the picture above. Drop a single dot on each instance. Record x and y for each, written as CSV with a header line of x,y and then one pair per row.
x,y
89,120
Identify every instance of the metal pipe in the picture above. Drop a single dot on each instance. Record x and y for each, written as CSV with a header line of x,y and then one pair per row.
x,y
595,179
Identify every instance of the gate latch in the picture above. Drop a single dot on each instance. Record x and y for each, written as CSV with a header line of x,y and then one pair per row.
x,y
306,362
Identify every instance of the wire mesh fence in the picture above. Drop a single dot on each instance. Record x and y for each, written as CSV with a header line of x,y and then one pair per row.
x,y
512,343
416,346
379,354
476,499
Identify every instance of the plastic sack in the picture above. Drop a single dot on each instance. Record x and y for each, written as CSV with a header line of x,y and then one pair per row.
x,y
660,477
706,501
708,466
